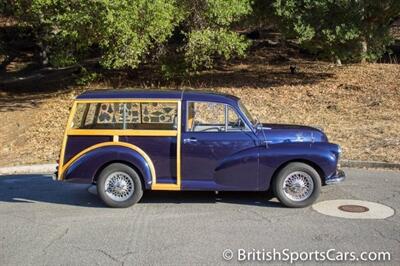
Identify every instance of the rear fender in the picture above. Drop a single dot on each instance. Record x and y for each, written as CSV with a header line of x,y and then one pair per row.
x,y
85,168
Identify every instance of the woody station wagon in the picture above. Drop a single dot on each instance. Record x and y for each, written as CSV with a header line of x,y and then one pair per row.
x,y
127,141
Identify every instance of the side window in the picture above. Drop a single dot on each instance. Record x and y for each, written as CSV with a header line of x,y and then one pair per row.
x,y
235,123
91,114
109,116
157,116
212,117
130,115
77,121
206,116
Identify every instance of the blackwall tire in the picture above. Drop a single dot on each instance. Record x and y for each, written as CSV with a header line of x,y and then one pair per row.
x,y
119,186
297,185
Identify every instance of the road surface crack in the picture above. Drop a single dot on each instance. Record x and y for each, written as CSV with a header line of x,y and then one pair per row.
x,y
109,256
99,250
55,240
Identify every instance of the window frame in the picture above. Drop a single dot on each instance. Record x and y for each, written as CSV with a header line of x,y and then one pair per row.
x,y
125,132
226,106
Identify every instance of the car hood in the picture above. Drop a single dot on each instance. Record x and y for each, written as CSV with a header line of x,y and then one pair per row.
x,y
276,133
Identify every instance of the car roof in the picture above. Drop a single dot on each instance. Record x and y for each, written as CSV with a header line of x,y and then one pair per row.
x,y
157,94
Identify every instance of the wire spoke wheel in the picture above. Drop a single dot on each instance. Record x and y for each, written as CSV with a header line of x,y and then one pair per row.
x,y
298,186
119,186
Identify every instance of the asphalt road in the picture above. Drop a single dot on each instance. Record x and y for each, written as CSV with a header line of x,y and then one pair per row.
x,y
43,222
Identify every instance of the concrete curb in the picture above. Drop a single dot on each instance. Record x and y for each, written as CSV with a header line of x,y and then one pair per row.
x,y
369,164
51,168
29,169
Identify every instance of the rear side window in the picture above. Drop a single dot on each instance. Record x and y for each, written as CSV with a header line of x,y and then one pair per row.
x,y
129,115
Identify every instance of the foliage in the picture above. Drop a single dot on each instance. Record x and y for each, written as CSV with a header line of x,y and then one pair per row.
x,y
207,31
344,29
190,35
86,77
262,15
7,7
126,33
173,67
205,45
123,30
225,12
375,19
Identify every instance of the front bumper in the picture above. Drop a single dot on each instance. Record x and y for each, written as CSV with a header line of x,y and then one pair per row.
x,y
340,176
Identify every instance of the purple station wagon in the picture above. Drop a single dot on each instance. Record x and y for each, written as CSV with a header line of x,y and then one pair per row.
x,y
126,141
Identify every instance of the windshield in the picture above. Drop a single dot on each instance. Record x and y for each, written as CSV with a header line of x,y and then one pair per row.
x,y
247,113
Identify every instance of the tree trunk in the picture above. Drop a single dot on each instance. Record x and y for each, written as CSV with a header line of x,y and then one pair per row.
x,y
364,50
338,61
44,59
40,35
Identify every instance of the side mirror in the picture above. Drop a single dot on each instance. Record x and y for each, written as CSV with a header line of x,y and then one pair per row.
x,y
259,127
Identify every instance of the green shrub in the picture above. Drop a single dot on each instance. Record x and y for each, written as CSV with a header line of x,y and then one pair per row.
x,y
348,30
206,45
125,33
86,77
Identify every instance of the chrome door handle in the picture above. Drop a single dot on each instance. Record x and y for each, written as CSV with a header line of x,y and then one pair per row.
x,y
191,140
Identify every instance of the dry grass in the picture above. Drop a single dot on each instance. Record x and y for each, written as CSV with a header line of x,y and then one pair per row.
x,y
358,108
357,105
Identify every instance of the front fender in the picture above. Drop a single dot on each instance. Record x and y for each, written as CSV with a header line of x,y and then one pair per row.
x,y
239,171
321,155
85,168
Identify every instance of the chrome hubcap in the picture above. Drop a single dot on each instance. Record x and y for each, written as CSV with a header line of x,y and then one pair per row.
x,y
298,186
119,186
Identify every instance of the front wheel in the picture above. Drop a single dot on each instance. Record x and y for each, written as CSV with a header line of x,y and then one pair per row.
x,y
297,185
119,186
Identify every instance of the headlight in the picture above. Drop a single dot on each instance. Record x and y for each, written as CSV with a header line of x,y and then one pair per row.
x,y
339,150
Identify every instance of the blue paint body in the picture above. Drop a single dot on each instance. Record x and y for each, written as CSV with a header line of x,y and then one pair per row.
x,y
243,160
162,151
84,169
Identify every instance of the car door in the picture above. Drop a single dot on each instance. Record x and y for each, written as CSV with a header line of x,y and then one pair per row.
x,y
219,151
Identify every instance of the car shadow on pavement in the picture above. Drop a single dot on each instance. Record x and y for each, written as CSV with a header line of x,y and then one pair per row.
x,y
262,199
41,188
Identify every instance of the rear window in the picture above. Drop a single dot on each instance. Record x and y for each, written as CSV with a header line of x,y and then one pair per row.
x,y
129,115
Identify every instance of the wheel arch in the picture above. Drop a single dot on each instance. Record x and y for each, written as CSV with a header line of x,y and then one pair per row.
x,y
305,161
86,167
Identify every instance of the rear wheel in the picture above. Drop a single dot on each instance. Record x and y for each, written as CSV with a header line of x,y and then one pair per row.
x,y
119,186
297,185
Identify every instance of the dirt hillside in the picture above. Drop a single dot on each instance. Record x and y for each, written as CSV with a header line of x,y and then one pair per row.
x,y
357,105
